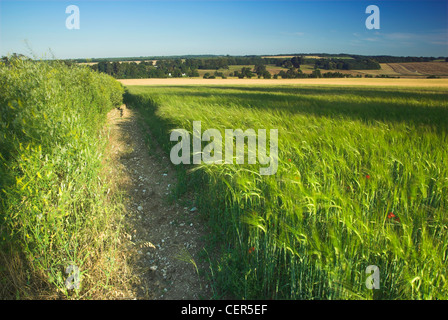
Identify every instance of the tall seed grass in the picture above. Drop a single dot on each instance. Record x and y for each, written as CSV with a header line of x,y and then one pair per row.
x,y
55,211
349,158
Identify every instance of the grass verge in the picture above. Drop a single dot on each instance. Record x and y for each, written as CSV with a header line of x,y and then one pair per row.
x,y
60,225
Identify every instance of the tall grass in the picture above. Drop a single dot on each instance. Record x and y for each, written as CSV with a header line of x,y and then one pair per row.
x,y
56,215
362,180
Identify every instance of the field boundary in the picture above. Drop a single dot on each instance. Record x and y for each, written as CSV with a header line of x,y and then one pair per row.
x,y
421,83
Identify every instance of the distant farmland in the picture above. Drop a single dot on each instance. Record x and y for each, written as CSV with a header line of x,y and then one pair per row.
x,y
402,70
422,68
410,70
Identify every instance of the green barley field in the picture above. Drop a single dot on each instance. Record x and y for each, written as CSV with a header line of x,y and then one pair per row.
x,y
362,180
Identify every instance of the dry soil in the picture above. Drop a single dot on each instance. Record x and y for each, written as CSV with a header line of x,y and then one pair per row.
x,y
166,236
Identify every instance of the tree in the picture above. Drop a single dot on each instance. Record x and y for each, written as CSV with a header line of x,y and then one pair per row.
x,y
246,72
193,73
116,67
296,62
287,64
266,74
177,73
259,69
316,74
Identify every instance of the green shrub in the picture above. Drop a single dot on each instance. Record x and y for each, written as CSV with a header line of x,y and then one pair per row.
x,y
54,210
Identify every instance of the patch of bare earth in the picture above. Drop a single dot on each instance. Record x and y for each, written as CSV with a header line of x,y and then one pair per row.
x,y
165,236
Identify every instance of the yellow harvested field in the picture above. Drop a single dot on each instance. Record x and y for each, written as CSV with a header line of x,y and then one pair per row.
x,y
386,69
279,57
421,83
136,61
87,63
409,69
424,68
292,56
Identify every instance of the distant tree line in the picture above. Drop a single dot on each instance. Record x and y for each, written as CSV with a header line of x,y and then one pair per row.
x,y
233,60
345,61
216,74
177,67
259,71
8,59
296,74
252,60
331,63
294,62
212,61
390,59
132,70
223,62
244,73
347,64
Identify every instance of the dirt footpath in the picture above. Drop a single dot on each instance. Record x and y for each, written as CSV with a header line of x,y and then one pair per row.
x,y
166,236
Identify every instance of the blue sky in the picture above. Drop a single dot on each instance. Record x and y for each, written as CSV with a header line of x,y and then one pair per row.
x,y
151,28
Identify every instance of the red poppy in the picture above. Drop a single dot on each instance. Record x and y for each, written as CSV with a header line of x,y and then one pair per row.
x,y
289,160
391,215
251,249
367,177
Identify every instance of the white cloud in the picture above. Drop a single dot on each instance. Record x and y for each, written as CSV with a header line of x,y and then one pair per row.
x,y
297,34
401,36
436,37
